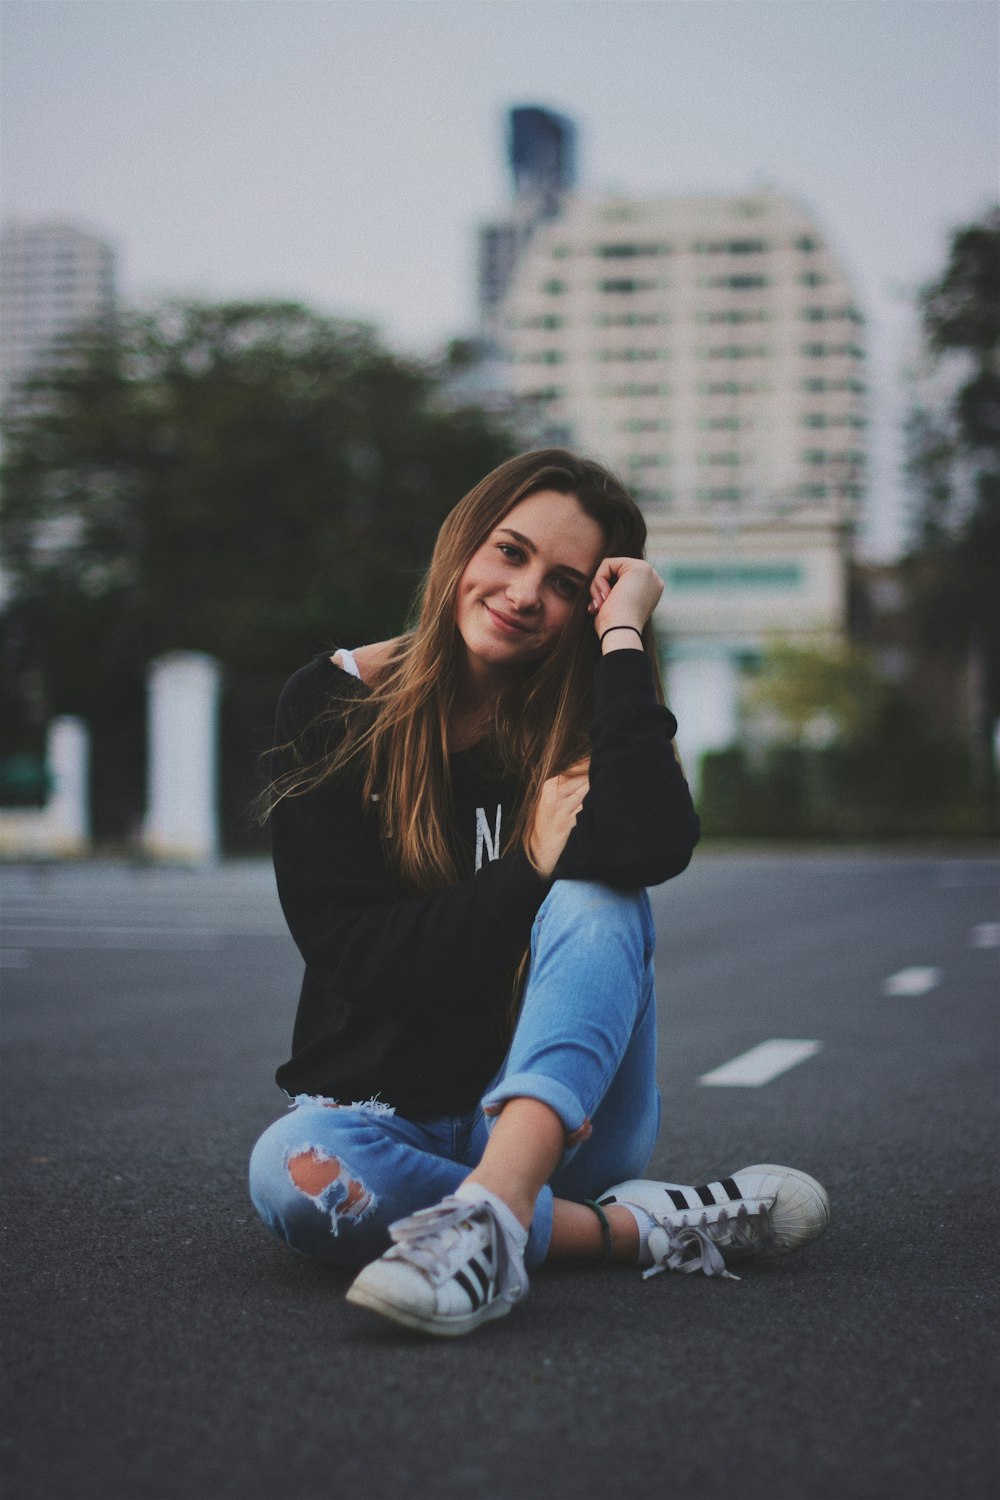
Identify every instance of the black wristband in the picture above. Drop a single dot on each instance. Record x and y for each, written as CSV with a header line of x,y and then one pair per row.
x,y
618,627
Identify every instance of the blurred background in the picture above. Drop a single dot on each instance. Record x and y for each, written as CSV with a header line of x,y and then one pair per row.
x,y
280,281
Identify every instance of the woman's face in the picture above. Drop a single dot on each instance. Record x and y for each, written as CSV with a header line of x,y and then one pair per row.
x,y
520,588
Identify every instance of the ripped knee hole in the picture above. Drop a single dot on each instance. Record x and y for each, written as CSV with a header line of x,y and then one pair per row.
x,y
313,1173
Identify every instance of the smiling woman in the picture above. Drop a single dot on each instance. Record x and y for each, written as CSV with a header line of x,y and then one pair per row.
x,y
464,821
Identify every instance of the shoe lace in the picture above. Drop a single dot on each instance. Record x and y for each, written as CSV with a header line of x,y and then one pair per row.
x,y
439,1240
694,1246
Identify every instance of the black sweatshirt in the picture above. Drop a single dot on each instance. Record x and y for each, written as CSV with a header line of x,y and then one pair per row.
x,y
407,999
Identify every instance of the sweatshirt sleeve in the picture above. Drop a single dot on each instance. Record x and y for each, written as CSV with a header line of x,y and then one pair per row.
x,y
364,940
638,825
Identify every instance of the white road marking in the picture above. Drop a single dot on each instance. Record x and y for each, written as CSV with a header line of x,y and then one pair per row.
x,y
913,981
760,1064
986,935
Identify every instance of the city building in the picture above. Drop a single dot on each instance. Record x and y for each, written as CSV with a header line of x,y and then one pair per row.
x,y
541,157
710,350
54,278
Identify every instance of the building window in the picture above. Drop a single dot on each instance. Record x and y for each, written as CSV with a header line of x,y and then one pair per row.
x,y
731,388
645,424
719,424
630,356
727,459
729,494
734,351
627,252
729,247
739,283
806,242
549,320
626,284
554,286
627,391
631,320
735,315
812,278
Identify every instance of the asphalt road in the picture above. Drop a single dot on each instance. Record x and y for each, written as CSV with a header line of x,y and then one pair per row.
x,y
158,1344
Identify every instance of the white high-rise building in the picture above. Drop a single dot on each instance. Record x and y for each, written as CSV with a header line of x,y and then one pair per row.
x,y
54,279
710,351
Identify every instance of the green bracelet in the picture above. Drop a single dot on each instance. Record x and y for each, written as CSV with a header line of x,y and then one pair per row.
x,y
607,1238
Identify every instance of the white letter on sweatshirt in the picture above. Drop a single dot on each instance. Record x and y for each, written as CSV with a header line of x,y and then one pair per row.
x,y
485,838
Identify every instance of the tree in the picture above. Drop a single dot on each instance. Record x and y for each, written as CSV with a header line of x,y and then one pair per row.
x,y
954,461
833,749
249,479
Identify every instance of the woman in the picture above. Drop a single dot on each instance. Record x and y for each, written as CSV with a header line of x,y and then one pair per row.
x,y
464,822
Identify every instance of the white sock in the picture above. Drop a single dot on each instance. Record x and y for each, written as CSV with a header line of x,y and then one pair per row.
x,y
473,1192
644,1222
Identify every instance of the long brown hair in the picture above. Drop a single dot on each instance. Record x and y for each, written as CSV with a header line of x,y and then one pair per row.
x,y
539,720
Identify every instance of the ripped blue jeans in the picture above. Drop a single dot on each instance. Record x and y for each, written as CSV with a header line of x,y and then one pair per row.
x,y
585,1044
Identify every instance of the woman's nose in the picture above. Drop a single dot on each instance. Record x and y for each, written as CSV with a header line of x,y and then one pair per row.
x,y
523,591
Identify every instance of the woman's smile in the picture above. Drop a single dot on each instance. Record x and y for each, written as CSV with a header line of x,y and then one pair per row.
x,y
505,623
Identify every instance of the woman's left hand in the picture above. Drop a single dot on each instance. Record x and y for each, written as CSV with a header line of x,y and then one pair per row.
x,y
623,591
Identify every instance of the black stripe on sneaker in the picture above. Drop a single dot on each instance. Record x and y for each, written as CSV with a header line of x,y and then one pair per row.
x,y
473,1293
677,1198
481,1276
706,1195
731,1189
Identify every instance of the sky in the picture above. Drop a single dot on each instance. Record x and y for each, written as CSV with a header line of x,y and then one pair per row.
x,y
342,152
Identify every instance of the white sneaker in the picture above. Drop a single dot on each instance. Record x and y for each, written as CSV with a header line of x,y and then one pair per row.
x,y
762,1208
451,1267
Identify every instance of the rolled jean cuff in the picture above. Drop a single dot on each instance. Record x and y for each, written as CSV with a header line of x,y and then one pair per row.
x,y
549,1091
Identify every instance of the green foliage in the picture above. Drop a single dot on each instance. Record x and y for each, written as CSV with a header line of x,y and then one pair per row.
x,y
904,784
249,479
835,751
961,309
954,465
810,693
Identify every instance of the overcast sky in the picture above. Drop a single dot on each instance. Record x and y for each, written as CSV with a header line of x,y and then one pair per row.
x,y
343,151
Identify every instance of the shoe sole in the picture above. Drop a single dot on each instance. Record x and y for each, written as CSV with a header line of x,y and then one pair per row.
x,y
436,1324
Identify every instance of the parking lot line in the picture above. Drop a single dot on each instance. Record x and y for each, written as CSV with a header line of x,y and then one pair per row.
x,y
761,1064
917,980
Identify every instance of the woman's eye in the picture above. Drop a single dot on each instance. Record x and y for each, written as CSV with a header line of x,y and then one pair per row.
x,y
566,587
509,551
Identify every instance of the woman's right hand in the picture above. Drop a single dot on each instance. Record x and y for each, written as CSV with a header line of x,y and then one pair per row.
x,y
555,816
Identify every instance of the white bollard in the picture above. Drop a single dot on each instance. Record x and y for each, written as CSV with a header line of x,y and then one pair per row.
x,y
182,820
67,812
703,692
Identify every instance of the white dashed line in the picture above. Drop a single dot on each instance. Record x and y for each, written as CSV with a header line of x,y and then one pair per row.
x,y
914,981
986,935
760,1064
